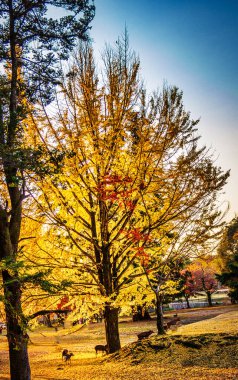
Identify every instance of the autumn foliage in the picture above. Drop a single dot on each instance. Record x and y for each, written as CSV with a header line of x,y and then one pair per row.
x,y
133,183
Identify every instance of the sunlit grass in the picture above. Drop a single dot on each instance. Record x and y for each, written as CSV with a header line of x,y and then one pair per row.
x,y
177,363
224,323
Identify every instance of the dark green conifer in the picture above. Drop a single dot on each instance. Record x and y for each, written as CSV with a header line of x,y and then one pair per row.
x,y
32,45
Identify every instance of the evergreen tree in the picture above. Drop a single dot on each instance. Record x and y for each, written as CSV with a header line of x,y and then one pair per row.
x,y
31,47
228,254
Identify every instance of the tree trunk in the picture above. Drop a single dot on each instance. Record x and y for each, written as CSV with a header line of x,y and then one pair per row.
x,y
48,320
19,361
209,298
140,313
16,333
187,302
16,324
18,353
159,315
112,330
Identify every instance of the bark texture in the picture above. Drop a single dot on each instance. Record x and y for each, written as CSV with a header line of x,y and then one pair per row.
x,y
112,330
159,315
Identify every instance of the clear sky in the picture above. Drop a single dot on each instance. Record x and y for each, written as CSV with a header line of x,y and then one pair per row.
x,y
192,44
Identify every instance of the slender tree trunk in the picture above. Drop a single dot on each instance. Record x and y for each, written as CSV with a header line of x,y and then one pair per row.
x,y
110,312
48,320
112,330
159,315
209,298
187,302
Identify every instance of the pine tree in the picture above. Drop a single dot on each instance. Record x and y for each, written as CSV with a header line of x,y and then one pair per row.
x,y
31,45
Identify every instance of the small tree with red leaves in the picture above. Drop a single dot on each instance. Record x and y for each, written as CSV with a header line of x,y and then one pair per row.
x,y
203,277
187,285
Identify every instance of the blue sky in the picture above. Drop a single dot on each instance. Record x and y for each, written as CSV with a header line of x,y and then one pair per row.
x,y
192,44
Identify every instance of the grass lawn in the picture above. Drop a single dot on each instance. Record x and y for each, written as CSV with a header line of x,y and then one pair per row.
x,y
204,347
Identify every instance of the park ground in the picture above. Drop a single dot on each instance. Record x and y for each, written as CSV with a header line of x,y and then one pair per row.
x,y
205,346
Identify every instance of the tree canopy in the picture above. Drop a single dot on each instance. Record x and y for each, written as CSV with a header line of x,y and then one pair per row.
x,y
133,172
34,42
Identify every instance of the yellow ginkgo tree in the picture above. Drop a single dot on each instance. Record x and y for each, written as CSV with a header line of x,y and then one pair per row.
x,y
131,167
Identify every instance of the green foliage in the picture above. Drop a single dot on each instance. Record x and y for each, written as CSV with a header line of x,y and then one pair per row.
x,y
8,263
41,40
228,253
22,274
